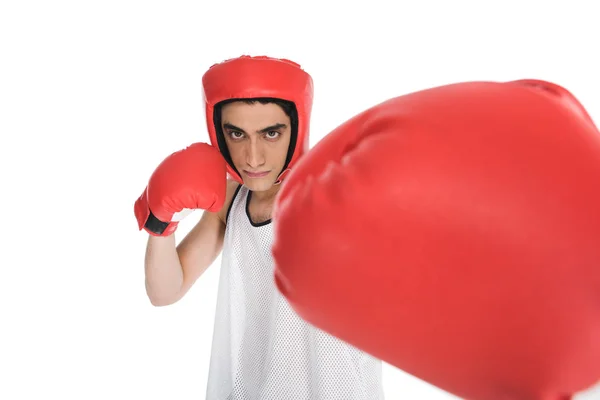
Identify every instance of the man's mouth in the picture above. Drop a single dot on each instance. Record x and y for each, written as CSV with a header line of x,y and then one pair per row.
x,y
258,174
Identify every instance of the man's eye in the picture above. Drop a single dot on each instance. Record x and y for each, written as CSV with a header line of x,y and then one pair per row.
x,y
272,134
236,135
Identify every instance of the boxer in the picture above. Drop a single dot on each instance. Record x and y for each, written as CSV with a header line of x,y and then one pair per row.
x,y
454,232
258,113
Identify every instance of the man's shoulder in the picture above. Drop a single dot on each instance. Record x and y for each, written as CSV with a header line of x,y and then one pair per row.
x,y
232,187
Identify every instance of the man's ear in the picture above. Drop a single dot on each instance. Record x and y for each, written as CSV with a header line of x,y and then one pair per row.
x,y
558,92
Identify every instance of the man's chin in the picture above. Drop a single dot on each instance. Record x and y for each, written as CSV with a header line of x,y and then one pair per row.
x,y
259,184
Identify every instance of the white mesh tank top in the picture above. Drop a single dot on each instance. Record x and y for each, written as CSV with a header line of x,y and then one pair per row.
x,y
261,349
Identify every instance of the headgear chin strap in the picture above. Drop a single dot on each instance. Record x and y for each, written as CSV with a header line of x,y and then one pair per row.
x,y
281,176
249,77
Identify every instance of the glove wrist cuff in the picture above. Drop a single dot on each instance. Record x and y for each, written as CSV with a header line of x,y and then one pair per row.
x,y
156,227
149,222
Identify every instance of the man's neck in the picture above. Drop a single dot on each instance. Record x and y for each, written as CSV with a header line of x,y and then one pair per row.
x,y
267,195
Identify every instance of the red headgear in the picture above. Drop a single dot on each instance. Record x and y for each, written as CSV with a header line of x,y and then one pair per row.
x,y
253,77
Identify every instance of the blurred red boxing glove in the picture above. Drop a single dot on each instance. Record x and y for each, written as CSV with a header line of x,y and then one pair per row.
x,y
455,233
192,178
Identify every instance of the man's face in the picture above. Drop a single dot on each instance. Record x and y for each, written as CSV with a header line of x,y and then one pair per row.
x,y
258,138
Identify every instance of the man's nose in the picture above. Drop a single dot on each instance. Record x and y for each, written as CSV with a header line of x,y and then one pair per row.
x,y
254,153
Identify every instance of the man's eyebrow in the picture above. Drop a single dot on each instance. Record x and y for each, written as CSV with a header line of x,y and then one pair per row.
x,y
232,127
272,128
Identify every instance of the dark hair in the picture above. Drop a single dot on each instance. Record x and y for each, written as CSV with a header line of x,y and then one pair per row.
x,y
287,106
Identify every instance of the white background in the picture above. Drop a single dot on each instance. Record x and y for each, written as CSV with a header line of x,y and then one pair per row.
x,y
94,94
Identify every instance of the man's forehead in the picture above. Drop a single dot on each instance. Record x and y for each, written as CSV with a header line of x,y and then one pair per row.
x,y
254,116
251,106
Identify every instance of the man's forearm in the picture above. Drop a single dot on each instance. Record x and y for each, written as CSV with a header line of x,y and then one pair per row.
x,y
164,275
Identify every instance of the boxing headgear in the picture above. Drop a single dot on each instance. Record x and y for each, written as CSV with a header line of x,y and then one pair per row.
x,y
249,77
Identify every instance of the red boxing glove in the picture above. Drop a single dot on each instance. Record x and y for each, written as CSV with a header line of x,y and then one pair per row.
x,y
192,178
455,234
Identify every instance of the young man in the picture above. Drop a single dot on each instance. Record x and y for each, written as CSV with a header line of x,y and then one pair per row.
x,y
258,111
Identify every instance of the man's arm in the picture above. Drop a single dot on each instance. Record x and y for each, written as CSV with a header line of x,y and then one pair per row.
x,y
172,269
